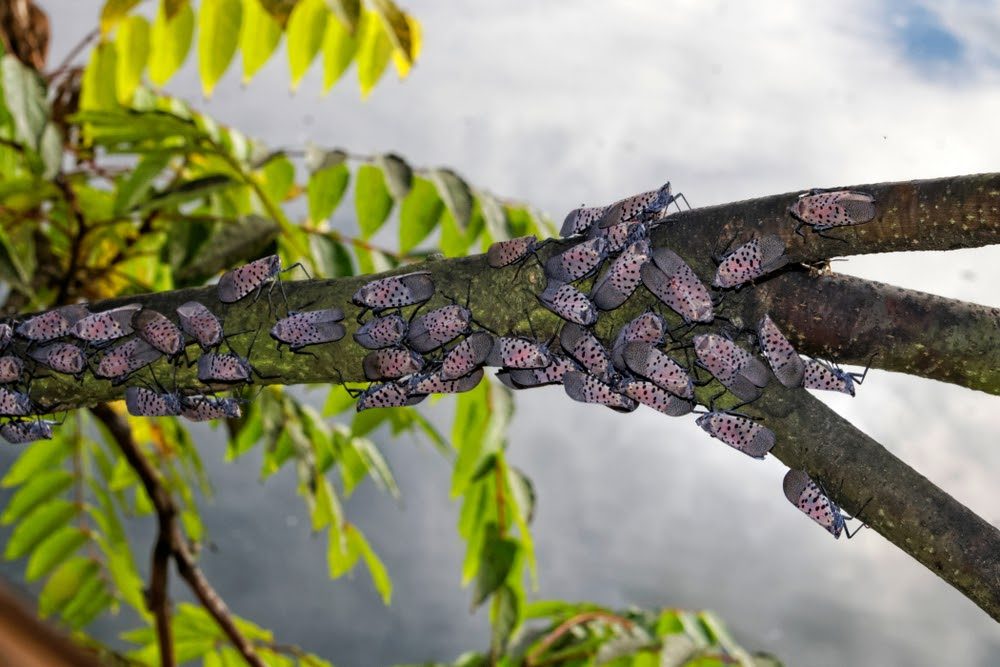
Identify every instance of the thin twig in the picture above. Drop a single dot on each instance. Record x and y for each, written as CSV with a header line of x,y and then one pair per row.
x,y
73,53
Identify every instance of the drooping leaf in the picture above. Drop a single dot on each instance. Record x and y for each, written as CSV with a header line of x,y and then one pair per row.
x,y
496,558
12,265
132,51
35,493
171,7
40,456
325,189
374,51
99,90
170,41
51,150
331,257
276,177
396,27
114,11
64,584
372,200
53,550
403,62
347,11
380,577
305,30
218,36
28,534
398,174
139,183
25,98
339,47
419,214
495,216
259,36
456,195
504,617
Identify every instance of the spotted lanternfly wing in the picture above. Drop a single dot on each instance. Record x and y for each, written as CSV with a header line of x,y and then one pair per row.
x,y
228,367
20,432
387,395
505,253
617,285
581,220
158,331
750,261
781,356
467,356
740,372
309,328
834,209
586,388
643,206
568,303
143,402
650,395
53,324
381,332
584,346
647,328
236,284
645,360
738,432
536,377
6,333
805,494
198,322
395,291
819,375
390,363
14,403
577,261
62,357
433,383
517,352
617,236
11,368
204,408
125,358
108,325
676,284
440,326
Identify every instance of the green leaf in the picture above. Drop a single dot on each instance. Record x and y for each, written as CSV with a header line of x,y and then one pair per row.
x,y
496,558
171,7
28,534
326,507
495,215
396,26
325,189
133,52
504,617
139,182
41,456
337,401
12,267
339,47
218,35
276,178
380,577
456,195
374,51
113,12
38,490
347,11
64,584
419,214
341,554
259,36
331,257
398,174
305,29
198,188
54,550
51,149
25,98
372,200
98,89
170,42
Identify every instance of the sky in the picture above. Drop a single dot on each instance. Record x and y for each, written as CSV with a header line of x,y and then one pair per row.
x,y
563,103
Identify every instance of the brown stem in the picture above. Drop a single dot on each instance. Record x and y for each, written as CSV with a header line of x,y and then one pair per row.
x,y
569,624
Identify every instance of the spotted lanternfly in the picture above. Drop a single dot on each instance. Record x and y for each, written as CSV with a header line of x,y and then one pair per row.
x,y
738,432
586,388
143,402
21,431
614,287
228,367
433,383
646,328
568,303
826,210
6,333
505,253
750,261
11,368
310,328
807,495
618,236
391,363
517,352
126,358
781,356
584,346
643,207
467,356
395,291
524,378
740,372
241,281
381,332
157,330
387,395
645,360
821,375
652,396
203,408
53,324
439,326
577,261
14,403
108,325
62,357
198,322
581,220
676,284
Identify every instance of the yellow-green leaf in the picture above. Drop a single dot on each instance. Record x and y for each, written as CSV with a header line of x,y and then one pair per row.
x,y
39,489
380,577
64,583
456,195
98,89
374,51
396,26
372,200
171,7
348,11
398,174
170,42
339,47
218,35
496,558
403,63
113,12
325,189
258,38
133,52
419,214
46,519
41,456
306,26
55,549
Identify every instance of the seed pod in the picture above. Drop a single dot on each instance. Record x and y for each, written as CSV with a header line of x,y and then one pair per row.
x,y
387,395
581,220
61,357
381,332
53,324
310,328
652,396
642,207
228,367
157,330
6,333
805,494
739,432
505,253
740,372
536,377
825,210
439,326
467,356
750,261
820,375
568,303
586,388
676,284
645,360
781,356
203,408
646,328
198,322
433,383
108,325
143,402
20,431
614,287
577,261
14,403
390,363
518,352
11,368
236,284
395,291
584,346
126,358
